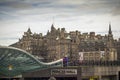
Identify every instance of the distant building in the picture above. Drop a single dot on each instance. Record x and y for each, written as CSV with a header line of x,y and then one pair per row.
x,y
57,43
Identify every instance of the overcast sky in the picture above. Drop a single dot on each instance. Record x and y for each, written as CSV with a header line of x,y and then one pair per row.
x,y
16,16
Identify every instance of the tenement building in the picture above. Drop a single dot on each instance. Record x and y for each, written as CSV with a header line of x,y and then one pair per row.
x,y
58,43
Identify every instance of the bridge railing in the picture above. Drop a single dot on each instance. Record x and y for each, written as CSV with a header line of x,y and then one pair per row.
x,y
94,63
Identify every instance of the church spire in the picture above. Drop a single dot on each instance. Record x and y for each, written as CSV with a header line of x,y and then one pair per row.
x,y
110,35
110,31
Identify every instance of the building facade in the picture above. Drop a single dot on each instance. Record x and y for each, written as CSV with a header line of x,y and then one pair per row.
x,y
58,43
75,73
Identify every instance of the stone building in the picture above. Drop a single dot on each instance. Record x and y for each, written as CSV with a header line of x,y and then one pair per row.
x,y
58,43
97,47
117,46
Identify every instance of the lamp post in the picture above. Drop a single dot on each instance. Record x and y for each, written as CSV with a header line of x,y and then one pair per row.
x,y
68,38
10,67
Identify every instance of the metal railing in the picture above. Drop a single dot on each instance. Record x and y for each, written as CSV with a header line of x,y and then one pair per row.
x,y
94,63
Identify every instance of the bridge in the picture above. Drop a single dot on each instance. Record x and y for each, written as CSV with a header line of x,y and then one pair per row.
x,y
101,72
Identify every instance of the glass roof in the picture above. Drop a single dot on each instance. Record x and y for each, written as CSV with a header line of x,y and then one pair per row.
x,y
14,61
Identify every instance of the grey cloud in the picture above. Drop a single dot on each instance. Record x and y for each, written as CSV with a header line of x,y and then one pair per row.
x,y
59,8
15,5
83,7
99,7
116,10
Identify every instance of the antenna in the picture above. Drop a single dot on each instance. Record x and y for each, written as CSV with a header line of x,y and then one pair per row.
x,y
53,20
109,22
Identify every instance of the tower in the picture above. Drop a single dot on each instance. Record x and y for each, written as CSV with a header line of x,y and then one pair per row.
x,y
110,31
29,31
110,35
112,54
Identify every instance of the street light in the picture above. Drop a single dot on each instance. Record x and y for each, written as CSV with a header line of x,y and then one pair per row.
x,y
10,67
68,38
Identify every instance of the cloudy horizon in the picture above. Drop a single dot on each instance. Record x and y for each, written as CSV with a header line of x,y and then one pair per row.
x,y
16,16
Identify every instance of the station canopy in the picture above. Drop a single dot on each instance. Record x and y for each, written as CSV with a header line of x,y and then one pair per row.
x,y
14,62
